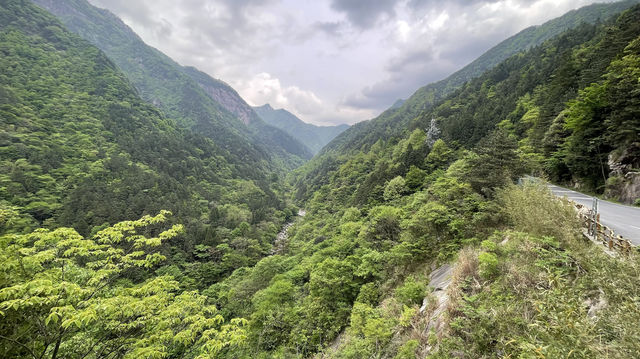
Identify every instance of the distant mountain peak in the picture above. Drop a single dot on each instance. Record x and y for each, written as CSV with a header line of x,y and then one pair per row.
x,y
266,106
315,137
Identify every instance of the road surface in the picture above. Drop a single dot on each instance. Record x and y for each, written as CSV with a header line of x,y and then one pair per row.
x,y
624,220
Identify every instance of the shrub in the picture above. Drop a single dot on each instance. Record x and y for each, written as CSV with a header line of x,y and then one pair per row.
x,y
408,350
395,189
533,209
411,292
488,265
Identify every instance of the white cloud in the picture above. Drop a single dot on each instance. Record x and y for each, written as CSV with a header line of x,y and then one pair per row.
x,y
264,88
330,61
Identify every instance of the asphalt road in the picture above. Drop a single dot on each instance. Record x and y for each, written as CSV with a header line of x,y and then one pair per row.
x,y
624,220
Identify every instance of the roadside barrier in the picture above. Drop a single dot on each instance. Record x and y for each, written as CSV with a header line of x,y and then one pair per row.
x,y
601,233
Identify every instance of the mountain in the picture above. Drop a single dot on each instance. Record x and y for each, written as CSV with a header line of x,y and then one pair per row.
x,y
269,134
191,98
433,203
530,81
80,148
397,104
418,245
397,118
315,137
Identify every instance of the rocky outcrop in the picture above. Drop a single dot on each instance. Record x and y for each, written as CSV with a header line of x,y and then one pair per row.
x,y
433,133
231,102
624,179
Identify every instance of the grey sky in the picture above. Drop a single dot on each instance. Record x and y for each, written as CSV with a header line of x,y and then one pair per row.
x,y
330,61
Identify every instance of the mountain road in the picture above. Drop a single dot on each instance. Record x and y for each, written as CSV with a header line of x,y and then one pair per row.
x,y
624,220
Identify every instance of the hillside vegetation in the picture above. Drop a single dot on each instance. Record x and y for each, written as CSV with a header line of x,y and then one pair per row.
x,y
125,235
80,149
194,100
568,106
396,122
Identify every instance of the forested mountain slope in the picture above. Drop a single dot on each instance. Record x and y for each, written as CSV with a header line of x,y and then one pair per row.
x,y
315,137
220,115
394,120
527,95
81,149
352,279
229,98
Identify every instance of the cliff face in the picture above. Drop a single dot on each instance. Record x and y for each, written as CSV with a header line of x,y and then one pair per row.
x,y
231,102
624,181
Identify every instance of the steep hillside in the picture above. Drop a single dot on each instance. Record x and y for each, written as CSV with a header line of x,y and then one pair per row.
x,y
393,121
79,148
541,80
264,132
170,87
352,278
315,137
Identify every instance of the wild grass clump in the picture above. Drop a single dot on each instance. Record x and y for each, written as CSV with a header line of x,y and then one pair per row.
x,y
533,209
536,292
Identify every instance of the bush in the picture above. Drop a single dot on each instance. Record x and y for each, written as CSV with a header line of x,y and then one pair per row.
x,y
395,189
408,350
411,292
488,265
532,208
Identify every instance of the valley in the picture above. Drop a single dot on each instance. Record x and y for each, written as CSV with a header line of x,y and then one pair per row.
x,y
148,210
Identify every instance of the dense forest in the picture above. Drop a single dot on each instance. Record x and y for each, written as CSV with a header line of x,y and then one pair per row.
x,y
125,232
191,98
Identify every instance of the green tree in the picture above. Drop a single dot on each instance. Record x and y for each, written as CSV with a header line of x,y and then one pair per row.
x,y
395,189
62,295
440,156
497,162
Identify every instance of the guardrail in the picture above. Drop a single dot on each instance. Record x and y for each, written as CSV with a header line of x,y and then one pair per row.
x,y
602,233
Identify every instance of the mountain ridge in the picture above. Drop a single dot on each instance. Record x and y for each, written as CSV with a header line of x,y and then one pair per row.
x,y
313,136
171,87
368,132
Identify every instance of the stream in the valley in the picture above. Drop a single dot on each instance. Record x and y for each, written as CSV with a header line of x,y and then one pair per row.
x,y
282,239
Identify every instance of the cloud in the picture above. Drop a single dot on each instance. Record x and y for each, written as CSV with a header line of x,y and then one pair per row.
x,y
431,39
330,61
365,14
331,28
264,88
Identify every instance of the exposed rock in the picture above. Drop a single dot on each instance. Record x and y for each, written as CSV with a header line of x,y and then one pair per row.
x,y
439,281
433,133
624,180
230,102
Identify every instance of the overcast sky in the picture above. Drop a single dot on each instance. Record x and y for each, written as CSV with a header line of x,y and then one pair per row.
x,y
330,61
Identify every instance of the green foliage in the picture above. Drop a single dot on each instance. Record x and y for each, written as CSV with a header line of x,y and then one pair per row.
x,y
555,295
197,102
408,350
412,292
382,208
80,149
475,114
488,265
415,178
395,189
440,155
64,295
532,208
